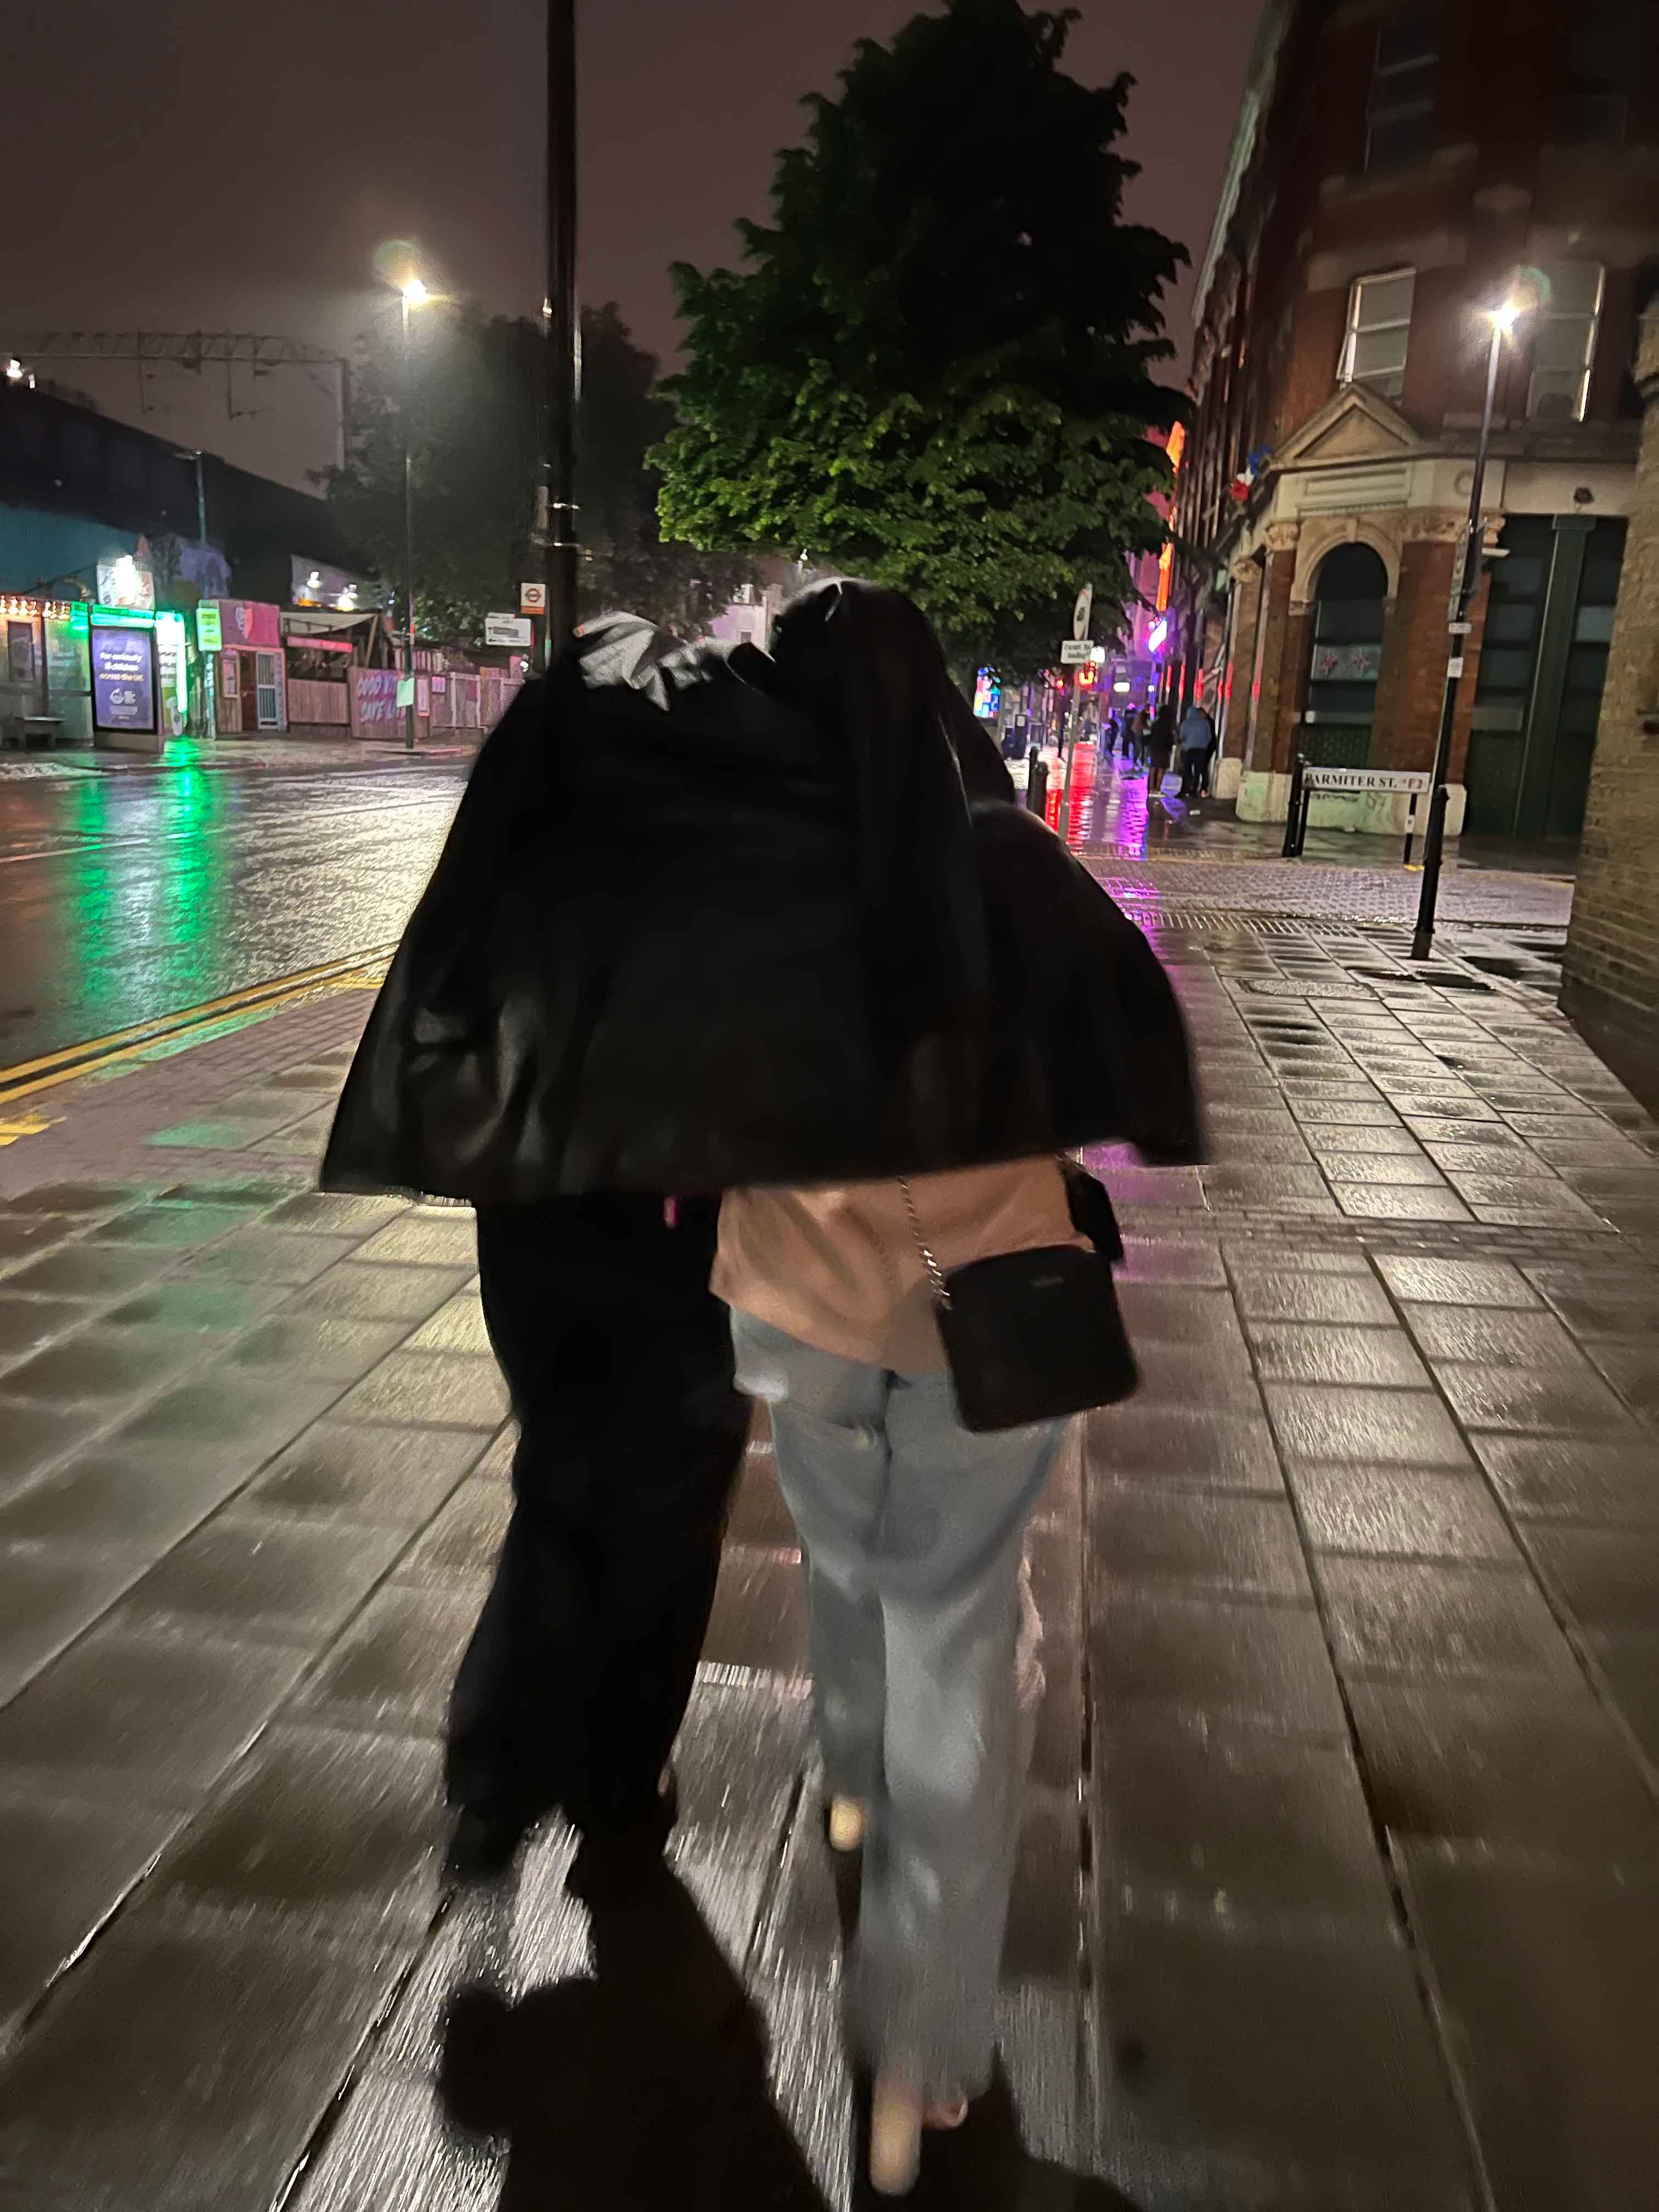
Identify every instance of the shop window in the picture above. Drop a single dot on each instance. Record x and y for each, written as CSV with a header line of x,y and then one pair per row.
x,y
1515,612
1400,119
20,651
1379,326
1350,601
1593,106
1564,341
267,707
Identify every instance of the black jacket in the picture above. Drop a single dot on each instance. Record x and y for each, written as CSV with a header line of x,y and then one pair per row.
x,y
642,964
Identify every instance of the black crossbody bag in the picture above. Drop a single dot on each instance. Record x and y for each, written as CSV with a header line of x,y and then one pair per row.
x,y
1034,1335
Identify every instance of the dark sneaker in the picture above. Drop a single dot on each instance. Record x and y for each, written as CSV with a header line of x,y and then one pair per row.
x,y
483,1845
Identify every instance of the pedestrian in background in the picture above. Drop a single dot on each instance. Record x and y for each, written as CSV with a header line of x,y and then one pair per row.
x,y
1159,745
912,1525
1197,736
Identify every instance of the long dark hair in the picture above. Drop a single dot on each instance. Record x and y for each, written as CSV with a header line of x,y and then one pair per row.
x,y
864,664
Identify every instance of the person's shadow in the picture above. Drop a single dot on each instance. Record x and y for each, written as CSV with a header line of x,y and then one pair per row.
x,y
645,2088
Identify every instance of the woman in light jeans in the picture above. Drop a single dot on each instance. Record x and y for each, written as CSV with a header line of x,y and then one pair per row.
x,y
913,1531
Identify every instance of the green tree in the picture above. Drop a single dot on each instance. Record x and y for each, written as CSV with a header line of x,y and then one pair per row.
x,y
473,395
935,367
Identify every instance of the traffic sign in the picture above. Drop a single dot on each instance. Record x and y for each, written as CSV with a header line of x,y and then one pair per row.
x,y
1082,610
1365,779
1074,651
508,629
532,598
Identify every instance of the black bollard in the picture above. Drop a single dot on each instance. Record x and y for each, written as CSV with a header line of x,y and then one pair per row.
x,y
1290,850
1037,784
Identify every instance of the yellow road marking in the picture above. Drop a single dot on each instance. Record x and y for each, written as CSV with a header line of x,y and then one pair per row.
x,y
69,1065
26,1125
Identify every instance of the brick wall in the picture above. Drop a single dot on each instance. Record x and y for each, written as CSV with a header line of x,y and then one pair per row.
x,y
1611,980
1240,657
1275,669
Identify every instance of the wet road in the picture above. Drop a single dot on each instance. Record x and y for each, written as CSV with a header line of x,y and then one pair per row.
x,y
128,894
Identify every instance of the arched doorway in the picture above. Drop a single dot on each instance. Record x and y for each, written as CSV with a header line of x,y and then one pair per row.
x,y
1350,593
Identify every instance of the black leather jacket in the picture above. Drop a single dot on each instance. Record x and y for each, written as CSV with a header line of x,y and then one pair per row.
x,y
641,965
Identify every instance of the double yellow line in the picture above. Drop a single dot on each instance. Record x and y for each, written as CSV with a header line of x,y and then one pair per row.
x,y
45,1073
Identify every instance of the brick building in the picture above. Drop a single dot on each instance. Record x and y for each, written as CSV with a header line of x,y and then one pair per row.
x,y
1611,983
1396,171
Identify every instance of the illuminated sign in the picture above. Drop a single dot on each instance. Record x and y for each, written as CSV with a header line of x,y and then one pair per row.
x,y
1158,636
175,677
124,674
1174,445
988,694
19,609
127,582
209,630
1165,572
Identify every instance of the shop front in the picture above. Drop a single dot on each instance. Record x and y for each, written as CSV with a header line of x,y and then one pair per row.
x,y
45,683
250,685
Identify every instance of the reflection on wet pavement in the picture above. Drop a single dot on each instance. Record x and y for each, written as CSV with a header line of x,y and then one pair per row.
x,y
126,895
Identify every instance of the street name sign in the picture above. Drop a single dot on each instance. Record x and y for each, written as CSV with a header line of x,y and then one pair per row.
x,y
508,629
1073,651
1365,779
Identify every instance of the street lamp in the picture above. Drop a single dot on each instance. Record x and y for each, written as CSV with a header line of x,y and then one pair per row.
x,y
1503,320
412,293
563,325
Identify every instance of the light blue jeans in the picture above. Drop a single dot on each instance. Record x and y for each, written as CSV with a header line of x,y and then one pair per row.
x,y
913,1532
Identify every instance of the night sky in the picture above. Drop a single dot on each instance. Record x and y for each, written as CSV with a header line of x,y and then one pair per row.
x,y
224,167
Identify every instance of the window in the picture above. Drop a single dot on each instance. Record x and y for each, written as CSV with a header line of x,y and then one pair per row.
x,y
267,698
1379,323
1601,61
1564,342
1349,602
1400,118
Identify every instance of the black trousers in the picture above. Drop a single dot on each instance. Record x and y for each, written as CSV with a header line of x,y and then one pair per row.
x,y
1191,773
619,1360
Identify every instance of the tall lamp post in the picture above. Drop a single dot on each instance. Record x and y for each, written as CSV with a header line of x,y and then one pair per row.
x,y
562,324
413,293
1503,320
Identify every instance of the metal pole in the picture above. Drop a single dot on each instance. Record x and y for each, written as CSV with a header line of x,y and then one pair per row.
x,y
408,537
1288,850
1434,841
562,326
200,504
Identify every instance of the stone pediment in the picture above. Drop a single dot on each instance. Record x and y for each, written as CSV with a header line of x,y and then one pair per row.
x,y
1353,426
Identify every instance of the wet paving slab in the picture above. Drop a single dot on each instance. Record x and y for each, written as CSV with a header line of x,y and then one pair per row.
x,y
1341,1829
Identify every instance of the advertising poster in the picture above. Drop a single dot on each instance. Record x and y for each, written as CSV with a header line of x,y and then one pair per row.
x,y
124,678
66,655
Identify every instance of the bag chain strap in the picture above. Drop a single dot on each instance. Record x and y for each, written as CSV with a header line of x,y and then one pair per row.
x,y
935,1274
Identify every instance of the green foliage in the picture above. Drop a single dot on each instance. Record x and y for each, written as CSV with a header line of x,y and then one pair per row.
x,y
473,399
935,367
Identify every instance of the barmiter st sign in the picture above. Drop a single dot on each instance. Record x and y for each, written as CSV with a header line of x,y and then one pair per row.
x,y
1365,779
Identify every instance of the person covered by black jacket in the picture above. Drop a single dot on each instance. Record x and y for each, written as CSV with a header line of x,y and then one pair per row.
x,y
676,942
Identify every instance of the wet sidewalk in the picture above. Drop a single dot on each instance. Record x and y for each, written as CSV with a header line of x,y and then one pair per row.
x,y
1338,1881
